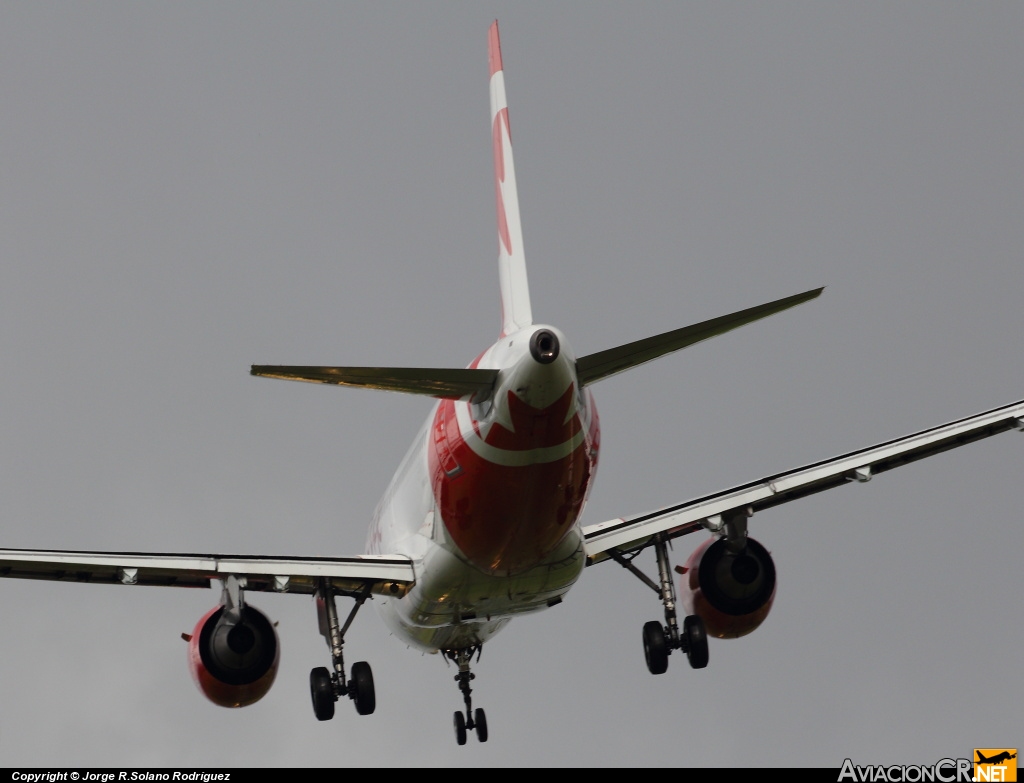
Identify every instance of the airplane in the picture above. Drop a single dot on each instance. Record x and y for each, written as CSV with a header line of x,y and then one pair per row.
x,y
483,519
996,759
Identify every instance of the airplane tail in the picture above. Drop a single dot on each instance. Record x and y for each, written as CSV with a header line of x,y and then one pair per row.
x,y
516,313
515,298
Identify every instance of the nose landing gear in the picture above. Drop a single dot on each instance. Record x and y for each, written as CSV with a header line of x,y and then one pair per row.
x,y
471,720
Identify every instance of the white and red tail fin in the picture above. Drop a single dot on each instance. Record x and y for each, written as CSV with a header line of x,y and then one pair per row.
x,y
515,289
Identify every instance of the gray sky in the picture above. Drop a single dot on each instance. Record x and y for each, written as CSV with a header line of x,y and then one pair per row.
x,y
190,188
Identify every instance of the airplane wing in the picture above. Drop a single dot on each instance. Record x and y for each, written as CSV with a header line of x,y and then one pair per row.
x,y
630,534
384,575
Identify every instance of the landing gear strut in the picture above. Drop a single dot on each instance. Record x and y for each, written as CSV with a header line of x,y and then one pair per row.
x,y
660,640
326,687
471,720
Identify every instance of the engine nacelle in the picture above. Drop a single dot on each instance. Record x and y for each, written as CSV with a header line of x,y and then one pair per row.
x,y
732,593
234,664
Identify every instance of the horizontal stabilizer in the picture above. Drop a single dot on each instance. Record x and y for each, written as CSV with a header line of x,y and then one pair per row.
x,y
450,384
604,363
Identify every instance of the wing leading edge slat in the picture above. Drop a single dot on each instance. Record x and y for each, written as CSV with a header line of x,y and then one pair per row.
x,y
385,575
627,534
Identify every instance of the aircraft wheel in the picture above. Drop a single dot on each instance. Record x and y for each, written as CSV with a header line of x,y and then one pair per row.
x,y
362,686
480,719
460,728
322,691
696,641
655,648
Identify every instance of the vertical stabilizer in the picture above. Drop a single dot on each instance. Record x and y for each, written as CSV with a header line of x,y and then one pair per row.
x,y
515,290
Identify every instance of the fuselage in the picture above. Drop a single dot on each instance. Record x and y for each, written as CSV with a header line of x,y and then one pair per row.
x,y
488,498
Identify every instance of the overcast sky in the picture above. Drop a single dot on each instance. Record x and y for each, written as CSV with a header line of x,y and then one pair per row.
x,y
191,188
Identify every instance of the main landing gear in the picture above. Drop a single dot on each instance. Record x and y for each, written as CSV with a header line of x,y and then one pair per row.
x,y
472,720
660,640
325,687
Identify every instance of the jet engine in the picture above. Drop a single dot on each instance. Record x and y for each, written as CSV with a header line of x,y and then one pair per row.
x,y
732,592
233,655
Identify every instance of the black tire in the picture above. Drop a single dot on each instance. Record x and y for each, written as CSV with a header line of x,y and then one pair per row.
x,y
460,728
655,648
322,692
480,719
696,638
362,688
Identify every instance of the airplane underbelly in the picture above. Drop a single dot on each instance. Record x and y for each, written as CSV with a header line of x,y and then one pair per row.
x,y
454,604
508,499
492,525
506,519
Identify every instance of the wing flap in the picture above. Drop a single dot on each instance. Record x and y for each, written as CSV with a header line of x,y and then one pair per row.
x,y
600,365
631,533
435,382
387,575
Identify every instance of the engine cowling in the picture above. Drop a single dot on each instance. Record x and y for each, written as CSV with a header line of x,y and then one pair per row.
x,y
234,664
731,592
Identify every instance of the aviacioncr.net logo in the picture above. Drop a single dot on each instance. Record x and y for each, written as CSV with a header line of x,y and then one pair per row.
x,y
942,771
995,764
